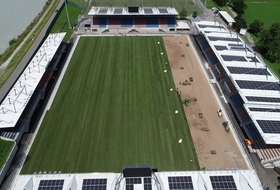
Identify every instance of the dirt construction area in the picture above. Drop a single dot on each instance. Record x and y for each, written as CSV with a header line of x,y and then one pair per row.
x,y
215,147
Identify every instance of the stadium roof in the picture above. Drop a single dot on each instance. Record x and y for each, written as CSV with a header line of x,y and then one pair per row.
x,y
17,98
197,180
142,11
256,84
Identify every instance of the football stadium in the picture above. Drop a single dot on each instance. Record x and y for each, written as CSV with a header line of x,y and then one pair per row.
x,y
132,105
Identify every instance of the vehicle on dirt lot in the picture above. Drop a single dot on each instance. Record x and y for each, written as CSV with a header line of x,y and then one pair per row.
x,y
191,79
200,115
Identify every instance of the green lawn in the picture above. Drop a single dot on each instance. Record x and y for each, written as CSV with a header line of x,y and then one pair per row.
x,y
114,107
266,12
5,150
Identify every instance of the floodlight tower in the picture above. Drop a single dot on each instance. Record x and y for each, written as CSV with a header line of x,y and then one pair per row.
x,y
65,1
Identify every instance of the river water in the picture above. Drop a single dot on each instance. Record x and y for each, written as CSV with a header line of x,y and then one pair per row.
x,y
15,16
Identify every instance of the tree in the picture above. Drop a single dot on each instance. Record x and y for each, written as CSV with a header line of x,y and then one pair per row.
x,y
256,26
239,6
194,15
269,43
183,13
239,23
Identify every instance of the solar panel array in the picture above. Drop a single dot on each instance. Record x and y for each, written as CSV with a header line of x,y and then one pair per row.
x,y
212,38
94,184
269,126
258,85
262,99
129,182
51,184
236,45
148,10
223,183
233,58
147,183
253,59
118,11
162,10
238,48
103,11
264,109
180,182
247,70
208,26
220,48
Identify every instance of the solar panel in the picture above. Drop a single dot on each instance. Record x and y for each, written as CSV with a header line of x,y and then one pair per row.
x,y
208,26
148,10
262,99
248,70
264,109
163,10
117,11
94,184
147,184
233,58
220,48
51,185
237,48
212,38
180,182
253,59
223,183
102,11
269,126
129,182
234,45
258,85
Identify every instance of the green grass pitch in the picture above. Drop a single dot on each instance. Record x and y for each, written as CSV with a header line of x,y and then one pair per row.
x,y
114,107
266,12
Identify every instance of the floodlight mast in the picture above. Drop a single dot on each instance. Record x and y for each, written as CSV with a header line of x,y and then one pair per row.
x,y
65,1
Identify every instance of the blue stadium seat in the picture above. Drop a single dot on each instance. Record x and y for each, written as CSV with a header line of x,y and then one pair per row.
x,y
126,22
171,22
103,22
152,22
237,101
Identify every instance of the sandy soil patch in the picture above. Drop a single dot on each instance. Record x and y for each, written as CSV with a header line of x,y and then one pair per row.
x,y
184,64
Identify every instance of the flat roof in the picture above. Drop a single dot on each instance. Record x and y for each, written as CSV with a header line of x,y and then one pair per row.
x,y
182,24
142,11
209,179
17,98
226,16
256,84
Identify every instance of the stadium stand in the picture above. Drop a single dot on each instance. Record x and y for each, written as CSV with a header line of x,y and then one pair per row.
x,y
268,152
237,101
202,42
114,22
171,22
152,22
163,22
140,22
95,22
103,22
211,57
126,22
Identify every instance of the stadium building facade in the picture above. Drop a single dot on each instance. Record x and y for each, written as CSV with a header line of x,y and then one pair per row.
x,y
133,20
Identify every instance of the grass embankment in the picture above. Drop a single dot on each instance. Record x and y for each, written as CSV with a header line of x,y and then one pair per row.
x,y
114,107
5,150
